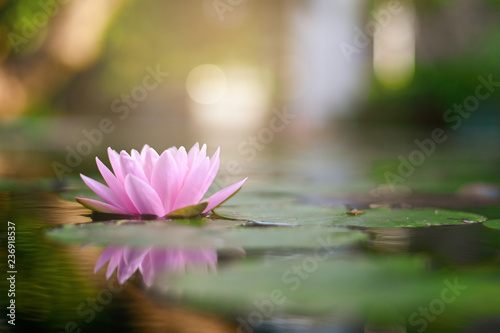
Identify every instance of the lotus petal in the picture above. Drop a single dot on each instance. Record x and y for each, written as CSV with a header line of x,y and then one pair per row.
x,y
99,206
143,196
218,198
169,184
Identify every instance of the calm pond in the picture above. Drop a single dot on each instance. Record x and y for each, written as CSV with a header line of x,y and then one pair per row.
x,y
345,234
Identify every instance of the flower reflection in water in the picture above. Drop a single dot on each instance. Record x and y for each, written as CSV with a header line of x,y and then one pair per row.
x,y
152,261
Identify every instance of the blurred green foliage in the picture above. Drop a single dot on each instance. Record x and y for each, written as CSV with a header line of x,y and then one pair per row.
x,y
439,174
440,83
24,25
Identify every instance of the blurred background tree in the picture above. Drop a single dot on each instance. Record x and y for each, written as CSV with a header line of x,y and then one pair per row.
x,y
455,43
84,51
45,43
65,63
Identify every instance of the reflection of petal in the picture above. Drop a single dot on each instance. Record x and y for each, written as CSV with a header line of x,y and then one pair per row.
x,y
134,256
204,257
131,259
152,261
106,256
111,254
113,263
199,257
147,270
169,260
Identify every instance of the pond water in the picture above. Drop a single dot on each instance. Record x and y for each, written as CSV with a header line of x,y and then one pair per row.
x,y
287,254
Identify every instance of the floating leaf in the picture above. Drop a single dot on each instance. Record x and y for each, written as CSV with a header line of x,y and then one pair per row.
x,y
389,218
297,214
286,238
380,217
320,285
494,224
310,285
220,234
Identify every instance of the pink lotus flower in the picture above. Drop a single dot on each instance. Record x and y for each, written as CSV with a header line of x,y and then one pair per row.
x,y
151,261
171,184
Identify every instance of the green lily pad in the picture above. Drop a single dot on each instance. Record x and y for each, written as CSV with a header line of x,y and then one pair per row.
x,y
387,218
296,214
309,285
333,216
321,285
220,234
286,238
494,224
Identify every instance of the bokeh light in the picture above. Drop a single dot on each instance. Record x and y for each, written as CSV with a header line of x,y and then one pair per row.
x,y
206,84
